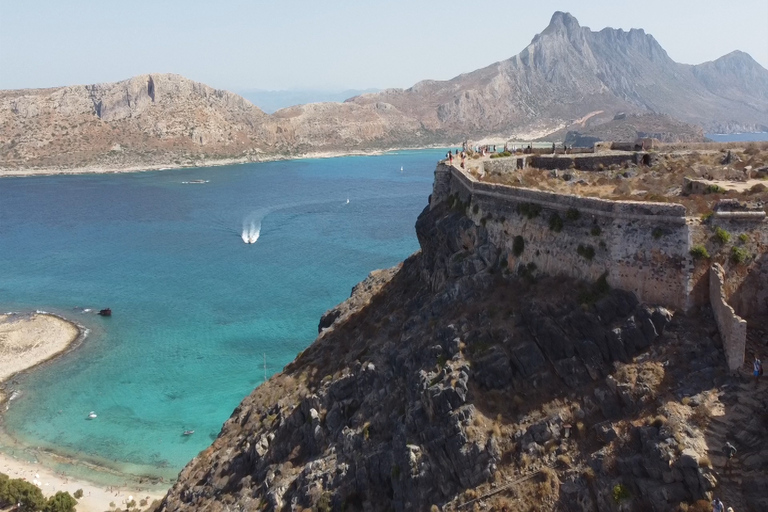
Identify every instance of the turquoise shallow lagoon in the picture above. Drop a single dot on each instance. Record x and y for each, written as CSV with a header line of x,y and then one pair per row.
x,y
195,309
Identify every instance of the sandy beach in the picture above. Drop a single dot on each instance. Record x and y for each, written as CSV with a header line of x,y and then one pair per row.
x,y
26,341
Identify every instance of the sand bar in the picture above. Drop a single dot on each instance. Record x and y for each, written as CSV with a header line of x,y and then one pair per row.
x,y
26,341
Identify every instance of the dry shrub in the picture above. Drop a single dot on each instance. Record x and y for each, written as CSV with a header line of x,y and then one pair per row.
x,y
564,460
701,416
470,494
551,446
704,462
525,461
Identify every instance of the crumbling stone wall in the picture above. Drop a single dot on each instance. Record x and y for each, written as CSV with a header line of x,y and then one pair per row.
x,y
733,329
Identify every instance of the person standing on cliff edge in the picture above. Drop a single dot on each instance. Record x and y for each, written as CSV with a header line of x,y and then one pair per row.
x,y
757,370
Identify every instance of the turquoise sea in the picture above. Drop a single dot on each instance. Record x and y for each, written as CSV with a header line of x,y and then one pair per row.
x,y
196,311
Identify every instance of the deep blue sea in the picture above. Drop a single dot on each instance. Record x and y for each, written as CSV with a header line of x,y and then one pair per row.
x,y
195,309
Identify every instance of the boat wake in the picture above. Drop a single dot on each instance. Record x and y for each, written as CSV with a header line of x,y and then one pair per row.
x,y
251,228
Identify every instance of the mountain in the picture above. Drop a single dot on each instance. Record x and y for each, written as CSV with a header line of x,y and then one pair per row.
x,y
272,101
567,75
568,71
625,127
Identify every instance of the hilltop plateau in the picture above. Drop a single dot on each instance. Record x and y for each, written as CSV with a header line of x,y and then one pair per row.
x,y
568,78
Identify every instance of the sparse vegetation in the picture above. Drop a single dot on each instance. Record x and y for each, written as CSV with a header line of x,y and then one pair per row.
x,y
744,238
721,235
595,231
657,233
739,255
699,252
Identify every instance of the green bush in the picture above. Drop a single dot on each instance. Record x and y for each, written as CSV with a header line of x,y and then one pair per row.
x,y
518,245
78,494
586,251
572,214
657,233
556,223
743,238
706,216
721,235
60,502
595,231
739,255
699,252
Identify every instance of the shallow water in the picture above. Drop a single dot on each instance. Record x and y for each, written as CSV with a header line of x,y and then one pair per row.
x,y
195,309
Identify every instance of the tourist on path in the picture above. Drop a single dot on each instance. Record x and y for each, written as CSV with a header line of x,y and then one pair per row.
x,y
729,451
717,506
757,369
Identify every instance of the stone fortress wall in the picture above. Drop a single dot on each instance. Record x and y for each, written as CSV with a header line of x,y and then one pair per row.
x,y
642,247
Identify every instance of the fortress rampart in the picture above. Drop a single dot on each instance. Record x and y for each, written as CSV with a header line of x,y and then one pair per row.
x,y
639,246
643,247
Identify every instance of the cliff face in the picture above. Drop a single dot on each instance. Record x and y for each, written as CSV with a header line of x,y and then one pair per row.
x,y
452,377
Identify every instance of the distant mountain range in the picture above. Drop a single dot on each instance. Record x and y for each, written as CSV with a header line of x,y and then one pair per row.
x,y
569,77
272,101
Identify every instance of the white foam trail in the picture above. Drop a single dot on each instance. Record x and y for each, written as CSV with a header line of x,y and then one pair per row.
x,y
251,228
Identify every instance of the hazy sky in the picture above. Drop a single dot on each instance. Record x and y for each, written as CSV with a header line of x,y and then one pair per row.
x,y
332,44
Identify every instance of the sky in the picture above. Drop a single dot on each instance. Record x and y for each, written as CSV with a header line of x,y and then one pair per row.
x,y
332,44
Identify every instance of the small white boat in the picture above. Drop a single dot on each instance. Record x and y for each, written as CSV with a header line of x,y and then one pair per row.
x,y
347,200
401,168
188,432
91,415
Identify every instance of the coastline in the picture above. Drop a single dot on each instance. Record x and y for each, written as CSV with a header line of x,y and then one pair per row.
x,y
6,172
27,341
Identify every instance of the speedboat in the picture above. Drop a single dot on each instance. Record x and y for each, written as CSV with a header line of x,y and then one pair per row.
x,y
91,415
188,432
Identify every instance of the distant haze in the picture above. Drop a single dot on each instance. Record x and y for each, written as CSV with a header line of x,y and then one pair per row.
x,y
297,44
271,101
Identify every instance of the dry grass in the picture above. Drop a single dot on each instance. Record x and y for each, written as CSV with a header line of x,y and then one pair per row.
x,y
659,183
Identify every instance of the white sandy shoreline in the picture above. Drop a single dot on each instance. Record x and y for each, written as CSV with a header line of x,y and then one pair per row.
x,y
27,340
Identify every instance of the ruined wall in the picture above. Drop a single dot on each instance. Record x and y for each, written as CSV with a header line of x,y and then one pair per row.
x,y
640,246
733,329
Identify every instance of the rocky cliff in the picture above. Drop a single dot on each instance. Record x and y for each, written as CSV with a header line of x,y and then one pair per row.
x,y
567,76
454,381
